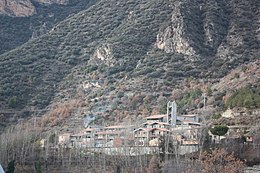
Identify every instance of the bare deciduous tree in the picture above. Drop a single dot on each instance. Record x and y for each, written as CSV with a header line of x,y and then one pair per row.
x,y
219,160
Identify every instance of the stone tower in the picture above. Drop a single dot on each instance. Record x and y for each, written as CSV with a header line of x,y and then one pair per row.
x,y
172,113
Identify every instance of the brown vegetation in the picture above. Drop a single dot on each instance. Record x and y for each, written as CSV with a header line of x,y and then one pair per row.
x,y
59,112
219,160
154,165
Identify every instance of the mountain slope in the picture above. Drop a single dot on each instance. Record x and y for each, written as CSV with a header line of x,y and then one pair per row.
x,y
23,8
15,31
123,57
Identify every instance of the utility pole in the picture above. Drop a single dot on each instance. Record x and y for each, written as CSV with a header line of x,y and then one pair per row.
x,y
204,101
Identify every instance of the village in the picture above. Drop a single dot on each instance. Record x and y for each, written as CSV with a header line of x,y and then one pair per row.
x,y
183,130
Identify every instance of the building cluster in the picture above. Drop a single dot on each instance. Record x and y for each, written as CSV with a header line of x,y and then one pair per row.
x,y
185,130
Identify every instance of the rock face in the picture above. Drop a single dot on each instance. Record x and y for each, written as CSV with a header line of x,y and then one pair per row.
x,y
243,31
103,54
23,8
16,8
211,27
196,27
172,38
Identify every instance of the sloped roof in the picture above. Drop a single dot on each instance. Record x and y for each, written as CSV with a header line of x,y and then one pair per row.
x,y
88,130
118,127
156,122
142,129
77,135
151,129
189,115
160,129
65,134
108,132
156,116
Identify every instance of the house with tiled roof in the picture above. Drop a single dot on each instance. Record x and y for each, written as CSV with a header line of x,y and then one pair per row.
x,y
114,135
157,118
155,124
144,135
141,136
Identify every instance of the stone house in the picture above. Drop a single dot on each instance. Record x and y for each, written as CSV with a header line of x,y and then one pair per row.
x,y
64,139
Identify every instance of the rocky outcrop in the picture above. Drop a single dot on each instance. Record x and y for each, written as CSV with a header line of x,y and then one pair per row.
x,y
172,38
196,27
243,31
19,8
214,28
23,8
103,54
215,22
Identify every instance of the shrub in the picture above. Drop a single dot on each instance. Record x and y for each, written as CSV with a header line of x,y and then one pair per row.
x,y
13,102
245,97
188,98
219,130
216,116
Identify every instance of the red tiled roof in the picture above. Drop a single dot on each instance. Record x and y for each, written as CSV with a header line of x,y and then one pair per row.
x,y
65,134
88,130
156,122
79,134
188,115
162,123
156,116
160,129
143,129
117,127
108,132
151,129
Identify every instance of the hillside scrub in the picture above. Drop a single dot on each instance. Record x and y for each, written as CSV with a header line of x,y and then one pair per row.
x,y
188,99
16,31
137,45
248,97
